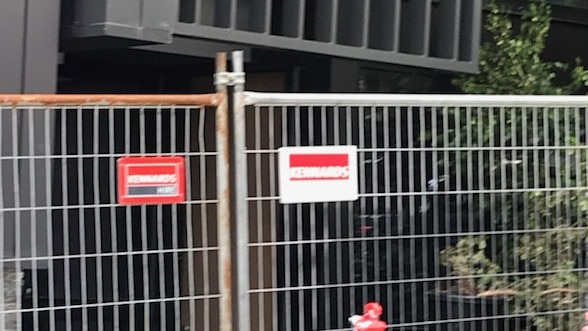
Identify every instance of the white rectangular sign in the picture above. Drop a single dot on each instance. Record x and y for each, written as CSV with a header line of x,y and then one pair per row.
x,y
318,174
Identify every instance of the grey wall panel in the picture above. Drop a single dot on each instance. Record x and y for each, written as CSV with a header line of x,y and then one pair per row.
x,y
159,15
414,26
251,15
12,20
444,24
350,22
318,21
187,11
470,26
127,12
382,29
286,15
42,41
215,13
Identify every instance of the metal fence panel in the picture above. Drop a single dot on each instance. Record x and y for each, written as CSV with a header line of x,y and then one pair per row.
x,y
472,213
72,258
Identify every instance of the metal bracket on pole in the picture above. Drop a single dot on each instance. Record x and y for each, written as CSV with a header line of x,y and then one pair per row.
x,y
226,78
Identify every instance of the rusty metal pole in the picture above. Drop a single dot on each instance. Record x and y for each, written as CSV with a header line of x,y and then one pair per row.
x,y
240,203
224,196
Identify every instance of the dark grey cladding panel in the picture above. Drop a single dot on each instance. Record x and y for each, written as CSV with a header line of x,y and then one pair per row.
x,y
440,34
133,20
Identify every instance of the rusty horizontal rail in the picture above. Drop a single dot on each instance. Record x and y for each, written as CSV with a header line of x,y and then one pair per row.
x,y
109,99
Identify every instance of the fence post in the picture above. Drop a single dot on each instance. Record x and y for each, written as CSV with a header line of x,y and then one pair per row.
x,y
224,196
240,203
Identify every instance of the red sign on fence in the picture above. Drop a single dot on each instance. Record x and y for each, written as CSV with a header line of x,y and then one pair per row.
x,y
319,166
151,180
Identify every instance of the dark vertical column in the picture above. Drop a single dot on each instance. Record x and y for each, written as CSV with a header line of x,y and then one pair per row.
x,y
38,74
28,63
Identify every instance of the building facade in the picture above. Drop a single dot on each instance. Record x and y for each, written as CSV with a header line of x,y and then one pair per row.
x,y
151,46
154,46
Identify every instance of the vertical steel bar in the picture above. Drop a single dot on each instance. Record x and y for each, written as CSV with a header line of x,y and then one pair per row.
x,y
548,163
446,172
326,228
365,26
388,206
504,201
525,120
174,220
577,182
259,220
424,208
65,203
33,213
49,195
470,176
97,218
376,213
299,237
536,181
351,223
312,221
337,132
362,201
81,217
16,135
273,214
559,195
113,222
159,221
144,224
129,231
301,18
412,211
286,226
204,221
400,210
190,220
435,207
241,208
224,199
514,185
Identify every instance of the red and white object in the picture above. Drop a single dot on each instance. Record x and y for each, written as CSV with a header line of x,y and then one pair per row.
x,y
318,174
370,320
151,180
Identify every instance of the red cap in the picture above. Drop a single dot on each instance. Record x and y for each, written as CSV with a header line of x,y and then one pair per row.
x,y
373,310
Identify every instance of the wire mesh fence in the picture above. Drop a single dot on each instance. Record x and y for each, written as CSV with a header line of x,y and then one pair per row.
x,y
72,258
472,214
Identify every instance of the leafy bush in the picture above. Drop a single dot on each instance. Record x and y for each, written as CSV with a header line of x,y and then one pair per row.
x,y
535,262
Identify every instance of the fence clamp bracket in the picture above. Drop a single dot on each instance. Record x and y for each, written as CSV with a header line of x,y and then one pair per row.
x,y
229,78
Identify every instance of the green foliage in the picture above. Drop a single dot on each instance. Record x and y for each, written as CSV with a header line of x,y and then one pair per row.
x,y
538,266
511,63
